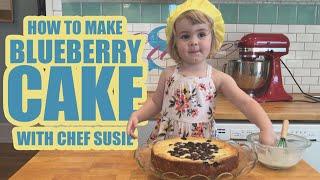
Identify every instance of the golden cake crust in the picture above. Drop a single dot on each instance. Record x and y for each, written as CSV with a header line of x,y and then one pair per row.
x,y
190,156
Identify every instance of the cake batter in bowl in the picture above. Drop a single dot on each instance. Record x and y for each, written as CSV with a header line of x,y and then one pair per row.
x,y
278,157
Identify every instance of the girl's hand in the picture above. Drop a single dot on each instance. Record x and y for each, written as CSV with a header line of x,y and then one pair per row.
x,y
132,125
267,137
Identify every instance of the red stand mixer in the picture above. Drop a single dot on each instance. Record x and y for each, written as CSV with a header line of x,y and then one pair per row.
x,y
258,72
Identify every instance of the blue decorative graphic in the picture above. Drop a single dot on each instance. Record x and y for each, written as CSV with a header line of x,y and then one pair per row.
x,y
154,39
158,44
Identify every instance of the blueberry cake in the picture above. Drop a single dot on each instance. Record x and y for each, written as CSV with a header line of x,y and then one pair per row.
x,y
190,156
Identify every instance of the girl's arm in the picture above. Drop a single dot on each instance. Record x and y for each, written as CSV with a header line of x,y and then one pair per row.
x,y
248,106
150,108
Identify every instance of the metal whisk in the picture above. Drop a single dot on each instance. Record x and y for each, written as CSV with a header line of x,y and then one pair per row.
x,y
284,131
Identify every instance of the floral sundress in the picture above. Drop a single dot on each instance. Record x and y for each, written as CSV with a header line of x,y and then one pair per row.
x,y
188,107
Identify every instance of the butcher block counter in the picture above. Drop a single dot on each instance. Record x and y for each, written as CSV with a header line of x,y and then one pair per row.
x,y
295,110
122,165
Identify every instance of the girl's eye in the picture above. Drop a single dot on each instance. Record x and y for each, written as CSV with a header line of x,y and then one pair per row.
x,y
202,34
185,37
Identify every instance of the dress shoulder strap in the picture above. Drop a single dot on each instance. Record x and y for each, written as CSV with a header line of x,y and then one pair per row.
x,y
209,71
176,71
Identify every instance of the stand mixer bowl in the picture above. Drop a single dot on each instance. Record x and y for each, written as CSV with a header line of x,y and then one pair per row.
x,y
249,75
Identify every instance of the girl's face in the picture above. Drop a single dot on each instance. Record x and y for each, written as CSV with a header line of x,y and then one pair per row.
x,y
193,41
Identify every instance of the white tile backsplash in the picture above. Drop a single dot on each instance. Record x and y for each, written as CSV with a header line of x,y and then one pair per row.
x,y
313,29
316,55
57,13
314,89
294,63
129,27
303,54
316,37
154,25
311,64
303,58
297,28
145,53
305,88
147,46
162,35
315,72
244,28
291,37
230,28
235,36
262,28
285,72
310,80
56,5
296,46
301,72
288,88
161,63
290,55
312,46
304,37
289,80
279,28
141,27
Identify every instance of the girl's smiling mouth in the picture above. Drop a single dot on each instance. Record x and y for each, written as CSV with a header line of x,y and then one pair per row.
x,y
194,51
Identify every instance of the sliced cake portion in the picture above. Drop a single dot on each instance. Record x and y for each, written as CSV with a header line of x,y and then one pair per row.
x,y
192,155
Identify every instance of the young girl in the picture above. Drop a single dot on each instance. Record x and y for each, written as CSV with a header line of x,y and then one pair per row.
x,y
185,93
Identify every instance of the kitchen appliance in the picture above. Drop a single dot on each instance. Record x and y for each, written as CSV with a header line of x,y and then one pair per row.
x,y
258,72
249,75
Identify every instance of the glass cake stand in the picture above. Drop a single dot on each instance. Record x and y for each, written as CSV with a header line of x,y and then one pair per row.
x,y
247,161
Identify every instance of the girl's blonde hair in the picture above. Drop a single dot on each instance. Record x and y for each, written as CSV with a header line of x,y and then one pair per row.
x,y
195,17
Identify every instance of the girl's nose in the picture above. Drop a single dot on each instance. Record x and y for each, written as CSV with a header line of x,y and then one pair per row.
x,y
194,42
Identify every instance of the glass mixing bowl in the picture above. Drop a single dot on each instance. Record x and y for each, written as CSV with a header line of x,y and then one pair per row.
x,y
277,157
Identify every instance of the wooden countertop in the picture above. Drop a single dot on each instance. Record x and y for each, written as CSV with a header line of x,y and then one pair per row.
x,y
122,165
276,110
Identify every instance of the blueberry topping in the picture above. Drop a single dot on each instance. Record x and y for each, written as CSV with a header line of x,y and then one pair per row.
x,y
194,151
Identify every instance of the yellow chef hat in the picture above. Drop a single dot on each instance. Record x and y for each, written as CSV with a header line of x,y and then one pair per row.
x,y
205,7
